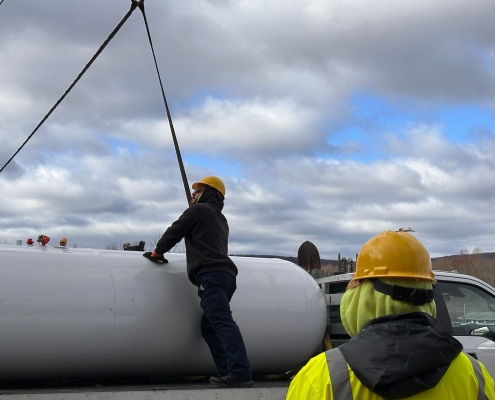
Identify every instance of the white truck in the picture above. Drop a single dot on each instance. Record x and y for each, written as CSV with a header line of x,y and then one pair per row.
x,y
465,308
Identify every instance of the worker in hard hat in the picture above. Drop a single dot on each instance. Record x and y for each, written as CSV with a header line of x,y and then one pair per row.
x,y
396,351
206,232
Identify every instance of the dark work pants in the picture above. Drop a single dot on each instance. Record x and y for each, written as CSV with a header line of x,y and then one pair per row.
x,y
219,330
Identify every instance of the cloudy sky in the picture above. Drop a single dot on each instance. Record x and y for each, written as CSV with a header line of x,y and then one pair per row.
x,y
328,121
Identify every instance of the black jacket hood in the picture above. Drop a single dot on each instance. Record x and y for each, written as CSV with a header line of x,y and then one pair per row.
x,y
211,196
398,356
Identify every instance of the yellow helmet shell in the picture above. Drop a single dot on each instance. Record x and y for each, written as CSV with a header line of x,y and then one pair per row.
x,y
211,181
394,255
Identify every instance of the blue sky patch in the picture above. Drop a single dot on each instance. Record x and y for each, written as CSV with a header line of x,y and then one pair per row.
x,y
223,166
114,144
373,117
197,99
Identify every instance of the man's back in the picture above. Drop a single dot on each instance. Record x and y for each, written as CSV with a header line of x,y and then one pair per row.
x,y
397,350
206,233
207,241
465,379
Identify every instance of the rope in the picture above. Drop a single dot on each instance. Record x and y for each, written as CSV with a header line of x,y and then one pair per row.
x,y
134,4
176,143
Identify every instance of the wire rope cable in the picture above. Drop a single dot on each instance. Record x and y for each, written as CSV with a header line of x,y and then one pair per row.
x,y
134,4
174,137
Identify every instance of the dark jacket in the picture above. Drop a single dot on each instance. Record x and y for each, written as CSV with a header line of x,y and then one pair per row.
x,y
398,356
206,234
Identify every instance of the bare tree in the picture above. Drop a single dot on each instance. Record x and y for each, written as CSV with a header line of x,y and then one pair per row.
x,y
153,241
178,248
476,264
113,246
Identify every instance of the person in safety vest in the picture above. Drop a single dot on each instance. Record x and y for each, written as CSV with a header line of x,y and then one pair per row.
x,y
206,233
396,350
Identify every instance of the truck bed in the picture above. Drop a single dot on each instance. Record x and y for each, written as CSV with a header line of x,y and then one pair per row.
x,y
146,390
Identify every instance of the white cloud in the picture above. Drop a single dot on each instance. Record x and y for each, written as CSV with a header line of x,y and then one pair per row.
x,y
251,127
254,87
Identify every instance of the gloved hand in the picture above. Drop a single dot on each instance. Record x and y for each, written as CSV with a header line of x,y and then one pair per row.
x,y
155,257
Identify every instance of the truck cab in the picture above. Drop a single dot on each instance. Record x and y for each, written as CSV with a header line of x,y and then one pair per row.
x,y
465,309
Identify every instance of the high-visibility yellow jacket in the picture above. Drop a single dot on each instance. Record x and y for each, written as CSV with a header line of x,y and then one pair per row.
x,y
329,377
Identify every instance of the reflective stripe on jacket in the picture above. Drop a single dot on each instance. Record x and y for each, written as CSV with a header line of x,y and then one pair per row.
x,y
328,377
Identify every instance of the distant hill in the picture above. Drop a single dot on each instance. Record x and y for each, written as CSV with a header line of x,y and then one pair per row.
x,y
291,259
454,256
481,265
327,265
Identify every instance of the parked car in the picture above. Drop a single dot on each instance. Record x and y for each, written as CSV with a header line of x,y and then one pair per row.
x,y
465,309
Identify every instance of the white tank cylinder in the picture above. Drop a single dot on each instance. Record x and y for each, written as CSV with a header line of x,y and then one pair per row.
x,y
80,313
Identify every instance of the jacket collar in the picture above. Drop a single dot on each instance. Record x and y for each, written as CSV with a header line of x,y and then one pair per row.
x,y
378,354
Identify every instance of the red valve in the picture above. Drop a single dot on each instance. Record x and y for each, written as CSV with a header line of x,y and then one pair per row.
x,y
43,239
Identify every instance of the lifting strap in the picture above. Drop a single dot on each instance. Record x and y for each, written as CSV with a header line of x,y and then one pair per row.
x,y
176,143
134,4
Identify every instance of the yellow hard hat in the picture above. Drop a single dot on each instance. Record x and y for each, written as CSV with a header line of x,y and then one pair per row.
x,y
394,255
211,181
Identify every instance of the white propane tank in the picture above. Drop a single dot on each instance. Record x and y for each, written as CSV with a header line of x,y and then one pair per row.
x,y
81,313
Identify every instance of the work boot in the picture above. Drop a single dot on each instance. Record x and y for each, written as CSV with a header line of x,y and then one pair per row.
x,y
229,381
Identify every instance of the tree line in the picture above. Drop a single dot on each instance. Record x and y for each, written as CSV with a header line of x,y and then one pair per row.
x,y
475,263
